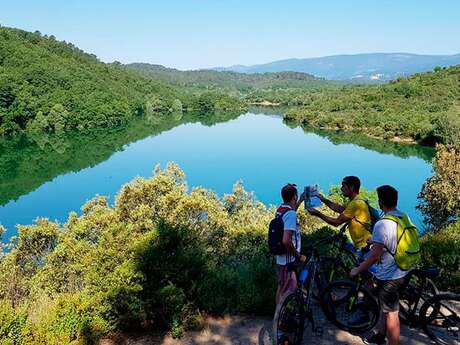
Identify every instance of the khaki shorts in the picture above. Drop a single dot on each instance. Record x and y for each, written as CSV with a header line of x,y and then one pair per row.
x,y
388,292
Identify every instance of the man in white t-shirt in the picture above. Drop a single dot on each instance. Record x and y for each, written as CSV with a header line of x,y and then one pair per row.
x,y
287,280
390,278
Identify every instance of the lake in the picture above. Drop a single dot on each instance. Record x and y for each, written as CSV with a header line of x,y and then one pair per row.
x,y
51,176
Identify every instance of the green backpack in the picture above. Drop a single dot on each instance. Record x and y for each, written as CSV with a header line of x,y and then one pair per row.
x,y
407,252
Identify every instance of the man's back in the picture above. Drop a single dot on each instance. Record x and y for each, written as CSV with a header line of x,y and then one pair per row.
x,y
360,221
386,233
290,224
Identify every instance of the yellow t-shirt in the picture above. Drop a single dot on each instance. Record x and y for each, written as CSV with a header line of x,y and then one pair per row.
x,y
358,212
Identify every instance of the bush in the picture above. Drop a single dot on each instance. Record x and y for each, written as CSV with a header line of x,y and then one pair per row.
x,y
159,257
440,197
12,322
442,249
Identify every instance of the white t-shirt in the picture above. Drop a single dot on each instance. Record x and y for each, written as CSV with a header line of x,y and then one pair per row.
x,y
386,232
290,224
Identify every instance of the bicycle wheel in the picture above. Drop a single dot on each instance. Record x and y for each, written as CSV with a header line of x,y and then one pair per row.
x,y
417,291
350,307
440,319
288,322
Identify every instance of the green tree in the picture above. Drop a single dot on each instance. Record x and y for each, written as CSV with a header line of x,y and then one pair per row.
x,y
176,106
58,118
39,124
440,197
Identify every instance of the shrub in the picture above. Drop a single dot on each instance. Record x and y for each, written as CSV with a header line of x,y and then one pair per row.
x,y
440,197
442,249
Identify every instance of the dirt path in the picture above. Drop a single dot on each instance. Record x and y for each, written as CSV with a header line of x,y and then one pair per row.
x,y
241,330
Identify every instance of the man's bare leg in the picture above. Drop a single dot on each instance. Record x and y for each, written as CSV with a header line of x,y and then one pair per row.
x,y
393,327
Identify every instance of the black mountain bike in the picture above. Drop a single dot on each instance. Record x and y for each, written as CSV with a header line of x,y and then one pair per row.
x,y
296,307
351,305
437,314
419,286
342,257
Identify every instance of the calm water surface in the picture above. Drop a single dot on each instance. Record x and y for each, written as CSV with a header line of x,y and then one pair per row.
x,y
56,176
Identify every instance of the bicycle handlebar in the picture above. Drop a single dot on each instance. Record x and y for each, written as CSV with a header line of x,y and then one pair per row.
x,y
329,238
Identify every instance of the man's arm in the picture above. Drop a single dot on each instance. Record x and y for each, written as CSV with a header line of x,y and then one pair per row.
x,y
375,255
332,205
341,219
287,241
300,200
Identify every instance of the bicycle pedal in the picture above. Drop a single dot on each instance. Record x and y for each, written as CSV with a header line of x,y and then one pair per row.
x,y
319,331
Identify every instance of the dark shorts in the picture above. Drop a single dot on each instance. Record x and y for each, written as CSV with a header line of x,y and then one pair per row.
x,y
287,280
388,293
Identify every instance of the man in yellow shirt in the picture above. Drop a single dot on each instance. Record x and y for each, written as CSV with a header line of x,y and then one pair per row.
x,y
355,212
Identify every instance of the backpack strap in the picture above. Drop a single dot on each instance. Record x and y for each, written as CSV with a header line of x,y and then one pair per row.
x,y
282,210
366,226
397,220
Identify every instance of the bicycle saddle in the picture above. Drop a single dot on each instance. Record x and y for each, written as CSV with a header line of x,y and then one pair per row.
x,y
427,272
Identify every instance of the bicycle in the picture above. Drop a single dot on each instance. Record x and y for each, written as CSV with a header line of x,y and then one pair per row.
x,y
419,286
295,307
418,289
438,315
345,257
345,300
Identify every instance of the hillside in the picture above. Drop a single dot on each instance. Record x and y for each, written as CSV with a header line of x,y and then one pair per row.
x,y
52,86
359,67
229,80
423,108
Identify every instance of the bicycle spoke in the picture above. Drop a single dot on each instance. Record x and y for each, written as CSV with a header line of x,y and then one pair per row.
x,y
290,320
348,308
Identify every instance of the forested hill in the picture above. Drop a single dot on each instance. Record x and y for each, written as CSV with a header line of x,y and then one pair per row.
x,y
51,86
229,80
423,108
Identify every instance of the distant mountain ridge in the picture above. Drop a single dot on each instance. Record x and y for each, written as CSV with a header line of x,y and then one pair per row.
x,y
372,67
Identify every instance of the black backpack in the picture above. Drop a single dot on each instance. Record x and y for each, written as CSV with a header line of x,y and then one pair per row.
x,y
276,231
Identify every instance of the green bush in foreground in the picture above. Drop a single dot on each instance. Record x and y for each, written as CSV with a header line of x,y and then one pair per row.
x,y
442,249
440,196
158,257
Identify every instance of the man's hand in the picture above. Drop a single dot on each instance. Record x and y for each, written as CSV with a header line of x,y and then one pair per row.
x,y
302,258
302,196
313,211
354,272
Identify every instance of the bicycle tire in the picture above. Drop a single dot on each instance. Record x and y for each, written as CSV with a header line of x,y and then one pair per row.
x,y
440,318
337,299
289,319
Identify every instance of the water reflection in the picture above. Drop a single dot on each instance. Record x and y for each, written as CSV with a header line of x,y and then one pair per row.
x,y
53,175
26,162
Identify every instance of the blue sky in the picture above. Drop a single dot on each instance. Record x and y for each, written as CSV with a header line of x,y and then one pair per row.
x,y
203,33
